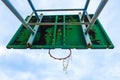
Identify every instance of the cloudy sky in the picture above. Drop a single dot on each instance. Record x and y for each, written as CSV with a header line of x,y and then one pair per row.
x,y
37,65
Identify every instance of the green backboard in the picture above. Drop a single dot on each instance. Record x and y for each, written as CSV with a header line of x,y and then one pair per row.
x,y
65,36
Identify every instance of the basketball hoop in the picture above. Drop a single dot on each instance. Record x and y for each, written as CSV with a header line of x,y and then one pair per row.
x,y
62,58
65,59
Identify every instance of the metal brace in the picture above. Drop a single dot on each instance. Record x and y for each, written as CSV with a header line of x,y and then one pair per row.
x,y
32,36
86,36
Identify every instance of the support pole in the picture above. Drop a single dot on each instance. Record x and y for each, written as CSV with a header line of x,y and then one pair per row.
x,y
15,12
30,2
98,11
85,9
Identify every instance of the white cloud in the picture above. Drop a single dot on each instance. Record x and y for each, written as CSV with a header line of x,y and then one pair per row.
x,y
33,64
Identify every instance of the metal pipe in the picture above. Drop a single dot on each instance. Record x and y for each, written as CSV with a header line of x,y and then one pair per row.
x,y
86,36
15,12
32,36
43,10
85,9
30,2
60,23
98,11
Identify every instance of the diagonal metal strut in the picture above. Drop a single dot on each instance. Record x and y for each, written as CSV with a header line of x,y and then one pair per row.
x,y
16,13
32,6
97,13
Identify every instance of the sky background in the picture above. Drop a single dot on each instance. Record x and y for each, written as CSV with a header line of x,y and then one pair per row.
x,y
38,65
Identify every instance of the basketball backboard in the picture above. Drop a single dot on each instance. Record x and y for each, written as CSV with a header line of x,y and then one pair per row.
x,y
61,31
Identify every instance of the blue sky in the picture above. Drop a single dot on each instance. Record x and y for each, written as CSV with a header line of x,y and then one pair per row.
x,y
37,65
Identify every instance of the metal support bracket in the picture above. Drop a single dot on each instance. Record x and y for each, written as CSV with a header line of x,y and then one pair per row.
x,y
86,36
32,36
60,23
95,16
